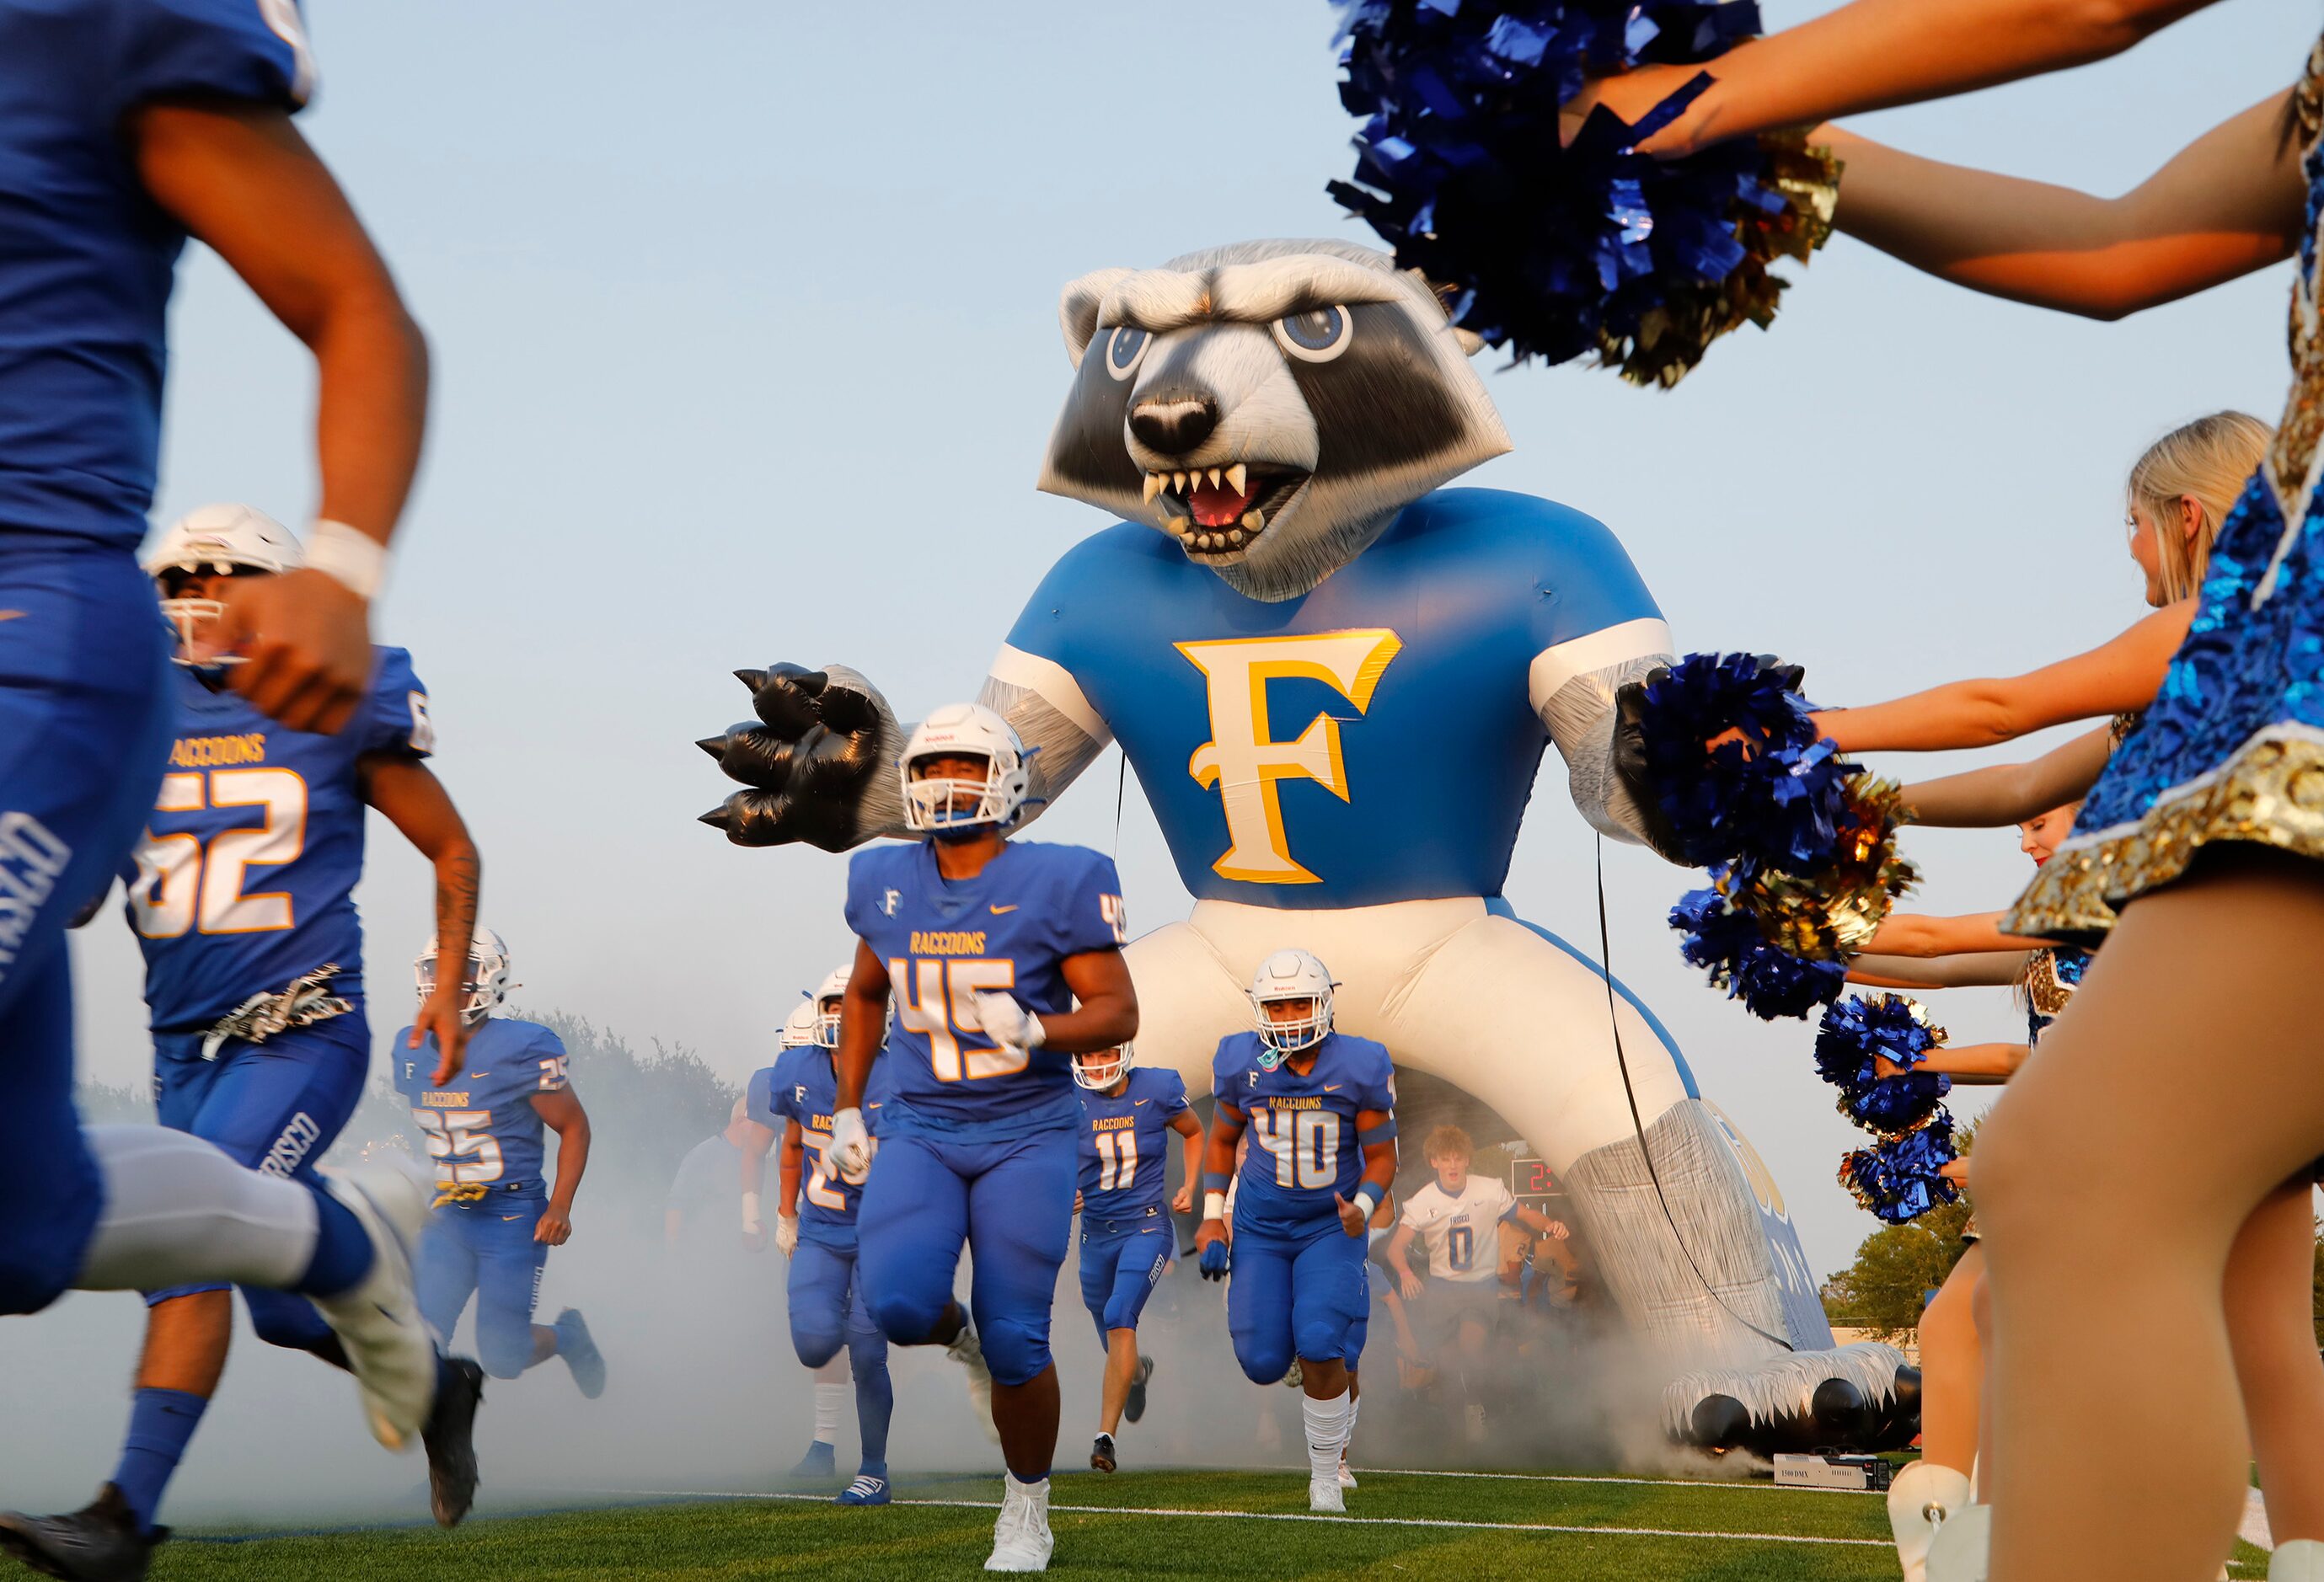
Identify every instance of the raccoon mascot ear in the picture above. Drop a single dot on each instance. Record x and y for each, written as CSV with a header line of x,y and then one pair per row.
x,y
1077,308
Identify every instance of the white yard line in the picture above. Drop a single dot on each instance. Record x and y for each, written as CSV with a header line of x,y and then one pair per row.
x,y
1288,1516
1598,1478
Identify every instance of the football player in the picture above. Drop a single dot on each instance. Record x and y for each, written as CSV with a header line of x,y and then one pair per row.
x,y
705,1180
1320,1107
1004,959
1457,1218
1126,1234
815,1229
241,895
495,1219
127,125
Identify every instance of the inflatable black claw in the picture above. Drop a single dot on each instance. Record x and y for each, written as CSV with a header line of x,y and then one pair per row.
x,y
1719,1422
1853,1398
1840,1415
806,760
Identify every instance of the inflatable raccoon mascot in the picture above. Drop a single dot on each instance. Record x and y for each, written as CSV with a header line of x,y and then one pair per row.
x,y
1334,678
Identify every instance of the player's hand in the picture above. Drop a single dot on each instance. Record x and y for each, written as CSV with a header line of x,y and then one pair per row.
x,y
754,1238
1077,1199
1410,1286
1557,1229
1211,1242
304,640
1007,1023
787,1234
554,1226
852,1146
439,1014
808,761
1183,1200
1351,1217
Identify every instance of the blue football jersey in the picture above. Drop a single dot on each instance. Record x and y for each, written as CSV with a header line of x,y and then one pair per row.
x,y
480,1128
1006,930
246,876
803,1085
1304,1148
1126,1145
86,259
1296,752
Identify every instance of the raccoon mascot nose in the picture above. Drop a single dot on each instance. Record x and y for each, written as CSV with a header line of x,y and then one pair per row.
x,y
1174,425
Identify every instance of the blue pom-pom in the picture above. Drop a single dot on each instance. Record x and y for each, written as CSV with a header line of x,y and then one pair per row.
x,y
1728,945
1859,1029
1555,251
1774,800
1897,1177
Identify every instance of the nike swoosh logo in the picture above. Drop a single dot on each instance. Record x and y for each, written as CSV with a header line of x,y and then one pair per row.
x,y
478,1076
1135,1102
996,911
506,1218
1333,1087
12,615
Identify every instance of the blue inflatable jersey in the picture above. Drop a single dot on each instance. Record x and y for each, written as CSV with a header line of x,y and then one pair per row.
x,y
1304,1148
1311,731
480,1128
802,1085
1126,1145
86,258
246,876
1008,929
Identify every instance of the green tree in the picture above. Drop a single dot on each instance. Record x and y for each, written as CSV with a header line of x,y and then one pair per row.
x,y
1898,1265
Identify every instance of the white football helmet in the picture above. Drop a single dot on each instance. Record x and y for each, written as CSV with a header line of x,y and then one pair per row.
x,y
216,540
799,1028
1292,975
487,981
826,1006
965,730
1097,1073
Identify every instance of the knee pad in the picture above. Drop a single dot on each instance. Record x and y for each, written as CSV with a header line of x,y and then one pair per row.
x,y
1265,1360
505,1349
1015,1350
814,1344
906,1317
292,1322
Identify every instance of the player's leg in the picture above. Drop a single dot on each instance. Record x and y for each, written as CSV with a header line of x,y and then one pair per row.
x,y
508,1266
445,1271
817,1286
1329,1294
875,1396
1358,1333
1099,1254
911,1226
1259,1307
1137,1264
1020,1224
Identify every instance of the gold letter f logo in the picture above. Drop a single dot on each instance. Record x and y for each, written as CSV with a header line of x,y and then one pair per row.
x,y
1243,758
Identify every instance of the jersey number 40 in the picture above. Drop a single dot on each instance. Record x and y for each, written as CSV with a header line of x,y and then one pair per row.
x,y
1305,1143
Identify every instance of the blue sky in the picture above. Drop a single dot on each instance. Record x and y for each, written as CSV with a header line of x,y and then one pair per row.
x,y
744,322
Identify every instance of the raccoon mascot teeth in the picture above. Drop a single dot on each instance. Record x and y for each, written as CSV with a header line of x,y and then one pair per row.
x,y
1335,678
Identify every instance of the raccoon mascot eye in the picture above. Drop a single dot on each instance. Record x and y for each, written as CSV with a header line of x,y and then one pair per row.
x,y
1124,347
1315,336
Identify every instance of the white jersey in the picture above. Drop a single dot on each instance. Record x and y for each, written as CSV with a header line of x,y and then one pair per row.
x,y
1460,1233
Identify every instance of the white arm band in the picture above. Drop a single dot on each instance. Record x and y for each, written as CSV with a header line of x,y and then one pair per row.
x,y
1214,1205
751,1221
349,557
1365,1200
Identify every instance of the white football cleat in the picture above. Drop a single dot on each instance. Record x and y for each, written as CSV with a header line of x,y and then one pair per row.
x,y
1348,1476
1963,1546
1324,1494
387,1345
1020,1535
966,1350
1920,1501
2297,1559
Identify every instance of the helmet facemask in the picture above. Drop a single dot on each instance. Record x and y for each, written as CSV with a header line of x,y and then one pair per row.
x,y
943,805
1101,1069
195,617
827,1022
485,984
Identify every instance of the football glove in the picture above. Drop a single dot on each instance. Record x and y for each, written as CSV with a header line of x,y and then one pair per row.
x,y
1215,1261
1007,1023
852,1146
785,1234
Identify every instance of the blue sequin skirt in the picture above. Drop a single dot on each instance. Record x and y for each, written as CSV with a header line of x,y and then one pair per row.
x,y
2233,748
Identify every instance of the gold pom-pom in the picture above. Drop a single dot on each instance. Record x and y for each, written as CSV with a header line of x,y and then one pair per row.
x,y
1829,914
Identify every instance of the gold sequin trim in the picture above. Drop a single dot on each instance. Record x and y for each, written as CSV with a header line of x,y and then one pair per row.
x,y
2271,793
2045,992
2302,426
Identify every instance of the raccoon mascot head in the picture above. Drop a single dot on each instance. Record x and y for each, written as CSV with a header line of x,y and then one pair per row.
x,y
1269,405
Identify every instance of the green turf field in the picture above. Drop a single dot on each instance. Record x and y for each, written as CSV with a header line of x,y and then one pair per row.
x,y
1146,1525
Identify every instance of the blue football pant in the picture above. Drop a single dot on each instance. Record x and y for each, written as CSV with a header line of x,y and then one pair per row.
x,y
1010,1202
84,725
827,1307
276,1107
486,1250
1119,1273
1303,1299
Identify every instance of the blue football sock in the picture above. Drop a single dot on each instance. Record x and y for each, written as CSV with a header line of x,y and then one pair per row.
x,y
342,1250
161,1424
875,1402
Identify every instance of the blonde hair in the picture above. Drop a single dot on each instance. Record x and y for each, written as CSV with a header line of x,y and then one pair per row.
x,y
1445,1142
2207,460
